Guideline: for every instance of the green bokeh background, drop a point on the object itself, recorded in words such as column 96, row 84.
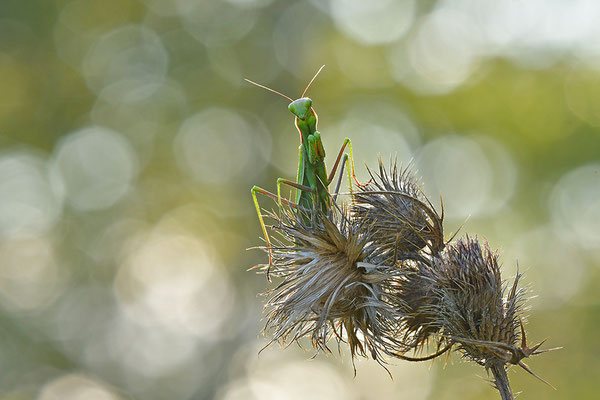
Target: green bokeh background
column 129, row 142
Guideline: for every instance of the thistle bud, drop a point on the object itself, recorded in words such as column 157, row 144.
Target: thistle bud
column 471, row 306
column 478, row 313
column 401, row 218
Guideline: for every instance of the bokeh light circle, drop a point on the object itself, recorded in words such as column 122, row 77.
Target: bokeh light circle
column 96, row 165
column 172, row 280
column 575, row 205
column 475, row 177
column 126, row 64
column 289, row 381
column 217, row 145
column 552, row 266
column 30, row 278
column 216, row 23
column 440, row 56
column 373, row 22
column 76, row 387
column 30, row 204
column 173, row 300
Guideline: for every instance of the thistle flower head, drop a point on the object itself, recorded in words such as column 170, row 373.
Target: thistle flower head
column 329, row 290
column 472, row 308
column 381, row 278
column 476, row 309
column 418, row 301
column 401, row 218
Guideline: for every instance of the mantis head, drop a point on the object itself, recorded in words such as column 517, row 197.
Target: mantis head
column 300, row 107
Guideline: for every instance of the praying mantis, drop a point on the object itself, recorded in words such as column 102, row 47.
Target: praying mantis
column 312, row 182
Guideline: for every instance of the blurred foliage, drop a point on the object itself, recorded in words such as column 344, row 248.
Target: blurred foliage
column 129, row 142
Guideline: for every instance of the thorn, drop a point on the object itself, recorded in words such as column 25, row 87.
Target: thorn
column 537, row 346
column 523, row 337
column 547, row 350
column 526, row 368
column 458, row 230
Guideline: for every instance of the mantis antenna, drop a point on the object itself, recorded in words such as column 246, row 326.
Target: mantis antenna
column 269, row 89
column 311, row 81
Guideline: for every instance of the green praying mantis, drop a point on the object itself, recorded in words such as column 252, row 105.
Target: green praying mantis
column 312, row 183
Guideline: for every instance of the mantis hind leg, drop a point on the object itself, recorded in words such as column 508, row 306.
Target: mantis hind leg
column 340, row 176
column 351, row 172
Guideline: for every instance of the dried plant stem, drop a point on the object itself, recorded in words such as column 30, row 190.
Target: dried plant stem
column 501, row 381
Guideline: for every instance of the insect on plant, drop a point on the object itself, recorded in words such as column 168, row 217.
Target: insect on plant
column 312, row 182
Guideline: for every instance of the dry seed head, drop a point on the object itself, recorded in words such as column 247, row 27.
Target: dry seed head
column 477, row 311
column 417, row 305
column 400, row 217
column 471, row 305
column 329, row 290
column 382, row 279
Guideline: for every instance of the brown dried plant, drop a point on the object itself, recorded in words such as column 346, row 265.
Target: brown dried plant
column 328, row 288
column 476, row 312
column 400, row 216
column 379, row 277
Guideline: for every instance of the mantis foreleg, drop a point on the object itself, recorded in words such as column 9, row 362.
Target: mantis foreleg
column 257, row 189
column 292, row 184
column 300, row 176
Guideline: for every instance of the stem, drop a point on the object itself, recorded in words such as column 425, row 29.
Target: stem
column 501, row 381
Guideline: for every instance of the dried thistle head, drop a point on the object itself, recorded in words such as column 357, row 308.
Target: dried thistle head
column 329, row 290
column 470, row 291
column 401, row 218
column 417, row 305
column 476, row 310
column 382, row 279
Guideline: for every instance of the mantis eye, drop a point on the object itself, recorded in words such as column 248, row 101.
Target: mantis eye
column 300, row 107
